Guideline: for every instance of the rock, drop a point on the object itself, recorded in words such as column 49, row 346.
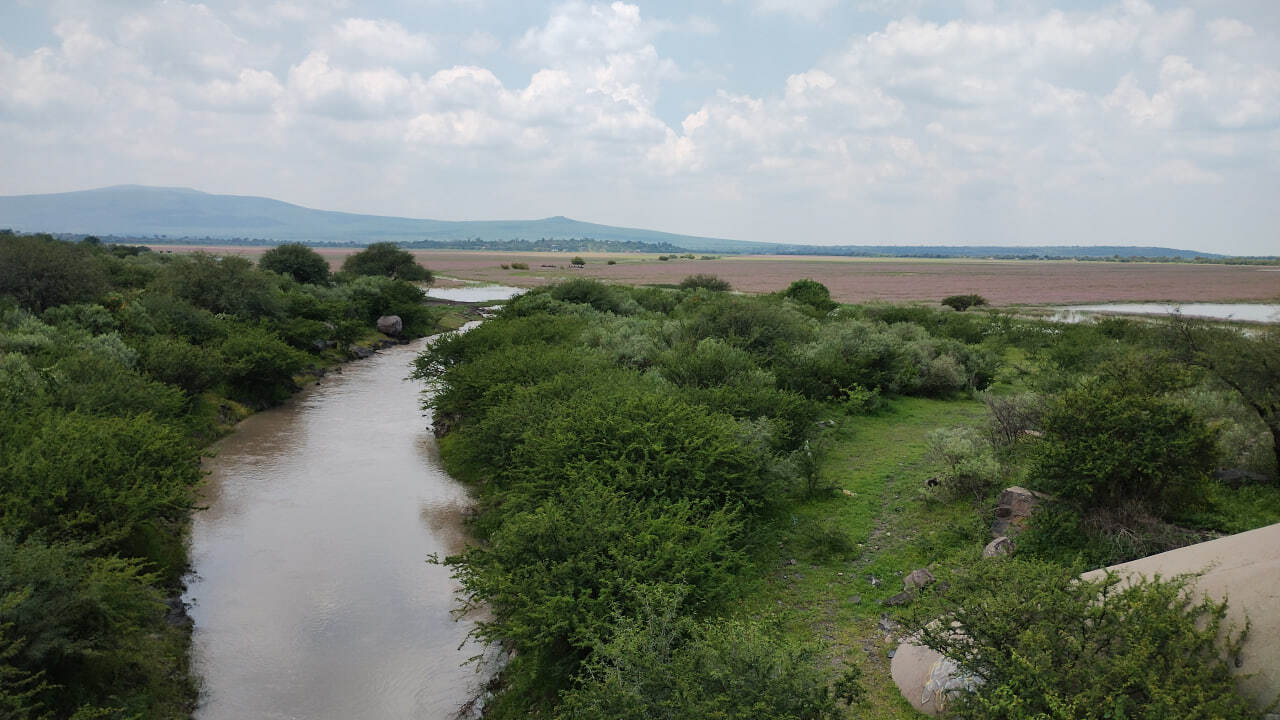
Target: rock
column 875, row 581
column 901, row 598
column 856, row 599
column 792, row 561
column 917, row 579
column 1015, row 506
column 946, row 680
column 360, row 352
column 322, row 345
column 390, row 325
column 999, row 547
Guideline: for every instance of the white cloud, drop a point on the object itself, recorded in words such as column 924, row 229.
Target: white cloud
column 380, row 40
column 1229, row 30
column 577, row 29
column 980, row 126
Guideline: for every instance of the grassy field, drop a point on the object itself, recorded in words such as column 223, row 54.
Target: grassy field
column 1003, row 282
column 877, row 466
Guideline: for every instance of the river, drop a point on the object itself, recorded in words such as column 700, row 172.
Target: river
column 310, row 594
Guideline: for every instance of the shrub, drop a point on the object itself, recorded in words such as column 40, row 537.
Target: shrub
column 230, row 285
column 1009, row 417
column 663, row 258
column 969, row 468
column 387, row 260
column 611, row 262
column 40, row 272
column 758, row 326
column 961, row 303
column 663, row 445
column 664, row 664
column 578, row 261
column 710, row 362
column 88, row 634
column 602, row 297
column 519, row 266
column 1038, row 642
column 297, row 261
column 811, row 293
column 555, row 576
column 260, row 366
column 708, row 282
column 177, row 362
column 1120, row 437
column 107, row 482
column 847, row 354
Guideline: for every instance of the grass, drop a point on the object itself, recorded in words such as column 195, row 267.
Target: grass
column 878, row 521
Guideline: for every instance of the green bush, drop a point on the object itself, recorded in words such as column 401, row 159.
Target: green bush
column 969, row 468
column 260, row 366
column 811, row 293
column 707, row 282
column 297, row 261
column 387, row 260
column 88, row 635
column 663, row 664
column 578, row 261
column 963, row 302
column 602, row 297
column 758, row 326
column 556, row 576
column 177, row 362
column 1120, row 437
column 710, row 362
column 230, row 285
column 112, row 483
column 1038, row 642
column 40, row 272
column 666, row 446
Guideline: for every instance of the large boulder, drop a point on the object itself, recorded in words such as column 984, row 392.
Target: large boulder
column 390, row 325
column 1015, row 506
column 927, row 679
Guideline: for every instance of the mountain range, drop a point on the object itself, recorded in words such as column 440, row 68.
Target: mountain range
column 142, row 212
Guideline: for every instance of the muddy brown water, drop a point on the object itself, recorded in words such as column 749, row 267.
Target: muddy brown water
column 310, row 594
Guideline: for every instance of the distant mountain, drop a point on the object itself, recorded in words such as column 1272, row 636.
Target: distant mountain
column 139, row 211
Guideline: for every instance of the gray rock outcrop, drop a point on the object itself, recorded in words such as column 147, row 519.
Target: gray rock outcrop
column 390, row 325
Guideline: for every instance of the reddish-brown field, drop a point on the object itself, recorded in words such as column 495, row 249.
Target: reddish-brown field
column 1003, row 282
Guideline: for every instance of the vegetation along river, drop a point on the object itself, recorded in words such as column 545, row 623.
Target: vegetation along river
column 311, row 595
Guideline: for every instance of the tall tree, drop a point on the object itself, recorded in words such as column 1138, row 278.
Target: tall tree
column 1247, row 362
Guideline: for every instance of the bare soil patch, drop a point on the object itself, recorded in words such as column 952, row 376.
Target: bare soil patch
column 1003, row 282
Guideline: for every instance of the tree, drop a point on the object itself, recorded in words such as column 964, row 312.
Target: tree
column 296, row 260
column 40, row 272
column 961, row 303
column 1248, row 363
column 227, row 284
column 811, row 293
column 385, row 258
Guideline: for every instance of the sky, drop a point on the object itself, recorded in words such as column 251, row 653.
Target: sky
column 916, row 122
